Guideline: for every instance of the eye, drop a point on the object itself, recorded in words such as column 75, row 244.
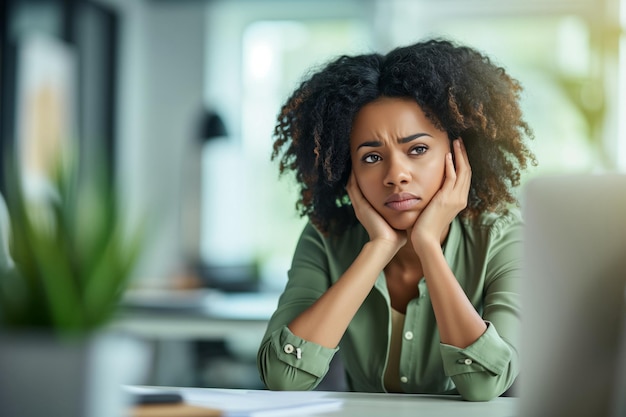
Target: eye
column 419, row 150
column 371, row 158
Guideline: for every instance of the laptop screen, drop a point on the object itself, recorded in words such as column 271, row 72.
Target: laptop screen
column 573, row 294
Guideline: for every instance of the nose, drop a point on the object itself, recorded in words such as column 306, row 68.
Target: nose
column 397, row 173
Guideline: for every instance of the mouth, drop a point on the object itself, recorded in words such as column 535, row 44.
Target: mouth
column 402, row 201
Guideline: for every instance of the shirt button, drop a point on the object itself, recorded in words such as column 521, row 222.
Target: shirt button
column 408, row 335
column 288, row 348
column 404, row 379
column 468, row 361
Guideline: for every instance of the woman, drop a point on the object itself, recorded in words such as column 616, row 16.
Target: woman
column 407, row 165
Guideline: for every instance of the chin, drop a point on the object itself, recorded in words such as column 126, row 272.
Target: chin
column 402, row 221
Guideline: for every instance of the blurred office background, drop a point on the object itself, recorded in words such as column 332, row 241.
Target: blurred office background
column 183, row 95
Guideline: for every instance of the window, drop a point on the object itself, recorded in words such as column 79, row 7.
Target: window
column 249, row 214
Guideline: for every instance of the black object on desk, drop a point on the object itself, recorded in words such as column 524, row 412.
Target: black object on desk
column 140, row 396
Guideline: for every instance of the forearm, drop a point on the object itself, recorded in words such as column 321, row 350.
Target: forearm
column 327, row 319
column 458, row 321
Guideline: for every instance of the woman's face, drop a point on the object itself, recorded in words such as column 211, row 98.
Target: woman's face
column 398, row 158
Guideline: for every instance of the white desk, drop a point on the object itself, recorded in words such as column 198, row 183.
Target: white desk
column 363, row 404
column 401, row 405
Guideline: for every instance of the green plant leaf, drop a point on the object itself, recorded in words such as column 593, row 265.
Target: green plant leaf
column 73, row 257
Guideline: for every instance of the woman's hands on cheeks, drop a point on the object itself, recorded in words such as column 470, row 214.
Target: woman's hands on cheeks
column 432, row 224
column 376, row 226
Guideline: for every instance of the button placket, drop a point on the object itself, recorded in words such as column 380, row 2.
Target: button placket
column 414, row 308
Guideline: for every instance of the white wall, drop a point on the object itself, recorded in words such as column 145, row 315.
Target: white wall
column 160, row 95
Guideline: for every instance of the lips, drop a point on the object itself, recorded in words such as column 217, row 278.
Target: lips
column 402, row 201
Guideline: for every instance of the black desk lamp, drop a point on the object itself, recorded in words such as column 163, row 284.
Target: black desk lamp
column 211, row 127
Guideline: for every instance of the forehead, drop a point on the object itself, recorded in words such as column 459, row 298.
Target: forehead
column 388, row 117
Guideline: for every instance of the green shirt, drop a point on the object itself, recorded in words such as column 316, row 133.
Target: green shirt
column 485, row 256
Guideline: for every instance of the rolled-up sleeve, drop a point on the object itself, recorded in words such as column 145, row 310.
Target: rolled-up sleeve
column 288, row 362
column 284, row 360
column 482, row 370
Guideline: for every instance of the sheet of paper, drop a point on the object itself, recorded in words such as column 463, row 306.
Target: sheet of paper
column 244, row 403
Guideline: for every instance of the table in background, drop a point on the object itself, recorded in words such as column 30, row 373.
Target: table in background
column 177, row 322
column 197, row 314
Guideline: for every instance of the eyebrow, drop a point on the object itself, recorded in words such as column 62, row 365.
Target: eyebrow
column 376, row 144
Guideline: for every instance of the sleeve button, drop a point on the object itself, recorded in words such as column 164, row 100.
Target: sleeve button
column 288, row 348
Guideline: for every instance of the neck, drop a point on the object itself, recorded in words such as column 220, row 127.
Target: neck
column 406, row 256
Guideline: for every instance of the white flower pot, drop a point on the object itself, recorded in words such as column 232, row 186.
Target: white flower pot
column 43, row 375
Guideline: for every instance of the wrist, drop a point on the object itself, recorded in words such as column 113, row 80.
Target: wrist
column 427, row 242
column 385, row 248
column 426, row 247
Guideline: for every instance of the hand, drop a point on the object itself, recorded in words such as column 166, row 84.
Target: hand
column 447, row 203
column 376, row 226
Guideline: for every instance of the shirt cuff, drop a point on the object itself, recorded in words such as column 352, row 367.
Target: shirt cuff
column 490, row 352
column 301, row 354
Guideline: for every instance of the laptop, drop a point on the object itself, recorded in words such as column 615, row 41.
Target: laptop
column 573, row 351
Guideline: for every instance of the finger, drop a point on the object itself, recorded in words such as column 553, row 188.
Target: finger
column 463, row 168
column 460, row 155
column 450, row 179
column 462, row 150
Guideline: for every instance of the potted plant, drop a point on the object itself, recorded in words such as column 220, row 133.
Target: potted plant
column 66, row 258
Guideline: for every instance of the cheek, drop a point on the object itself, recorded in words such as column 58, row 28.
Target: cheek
column 365, row 184
column 436, row 167
column 434, row 175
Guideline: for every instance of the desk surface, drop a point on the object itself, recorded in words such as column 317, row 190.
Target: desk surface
column 377, row 405
column 400, row 405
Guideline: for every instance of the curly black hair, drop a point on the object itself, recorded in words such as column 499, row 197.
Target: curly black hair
column 459, row 89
